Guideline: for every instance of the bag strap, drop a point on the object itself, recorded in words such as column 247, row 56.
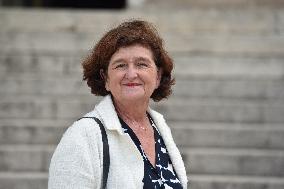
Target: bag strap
column 106, row 159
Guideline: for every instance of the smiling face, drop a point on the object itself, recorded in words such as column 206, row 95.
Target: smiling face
column 132, row 74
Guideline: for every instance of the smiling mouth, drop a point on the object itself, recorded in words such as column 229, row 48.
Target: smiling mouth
column 132, row 84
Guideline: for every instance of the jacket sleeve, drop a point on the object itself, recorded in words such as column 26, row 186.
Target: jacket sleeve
column 76, row 162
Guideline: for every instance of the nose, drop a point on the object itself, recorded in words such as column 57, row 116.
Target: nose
column 131, row 73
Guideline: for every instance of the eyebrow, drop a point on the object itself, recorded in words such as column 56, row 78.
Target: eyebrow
column 140, row 58
column 117, row 61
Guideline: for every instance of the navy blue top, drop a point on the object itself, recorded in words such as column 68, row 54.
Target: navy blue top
column 163, row 175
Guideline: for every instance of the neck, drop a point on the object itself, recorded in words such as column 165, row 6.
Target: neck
column 134, row 111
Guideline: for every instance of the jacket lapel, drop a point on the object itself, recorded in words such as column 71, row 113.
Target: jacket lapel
column 122, row 147
column 171, row 146
column 108, row 115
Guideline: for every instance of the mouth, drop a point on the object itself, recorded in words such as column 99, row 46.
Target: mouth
column 132, row 84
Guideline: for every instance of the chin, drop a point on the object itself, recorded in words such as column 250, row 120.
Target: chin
column 132, row 96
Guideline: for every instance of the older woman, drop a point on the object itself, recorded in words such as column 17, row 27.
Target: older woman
column 128, row 66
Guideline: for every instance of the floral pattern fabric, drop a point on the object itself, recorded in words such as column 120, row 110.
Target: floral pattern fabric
column 163, row 175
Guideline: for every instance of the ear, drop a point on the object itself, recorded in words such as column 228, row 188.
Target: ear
column 159, row 77
column 104, row 77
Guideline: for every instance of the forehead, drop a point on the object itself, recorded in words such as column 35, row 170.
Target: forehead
column 132, row 52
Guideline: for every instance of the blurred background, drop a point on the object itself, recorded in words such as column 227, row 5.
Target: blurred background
column 226, row 111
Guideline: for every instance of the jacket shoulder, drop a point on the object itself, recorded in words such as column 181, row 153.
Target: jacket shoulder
column 78, row 153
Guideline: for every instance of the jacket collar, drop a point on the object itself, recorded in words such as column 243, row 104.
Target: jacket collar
column 106, row 111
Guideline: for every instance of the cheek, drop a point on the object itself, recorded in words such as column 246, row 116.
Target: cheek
column 153, row 80
column 113, row 80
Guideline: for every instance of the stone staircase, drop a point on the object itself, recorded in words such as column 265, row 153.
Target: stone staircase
column 226, row 112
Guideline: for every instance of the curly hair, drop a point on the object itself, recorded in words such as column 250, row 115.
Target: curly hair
column 127, row 34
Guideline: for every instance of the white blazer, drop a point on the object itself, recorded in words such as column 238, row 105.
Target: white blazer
column 77, row 160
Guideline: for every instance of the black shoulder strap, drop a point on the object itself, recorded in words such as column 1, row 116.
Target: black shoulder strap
column 106, row 159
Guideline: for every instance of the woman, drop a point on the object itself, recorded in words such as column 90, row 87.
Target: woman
column 128, row 66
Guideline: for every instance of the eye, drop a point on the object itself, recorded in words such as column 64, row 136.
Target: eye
column 120, row 66
column 142, row 64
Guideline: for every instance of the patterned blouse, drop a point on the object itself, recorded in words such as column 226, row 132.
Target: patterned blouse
column 163, row 175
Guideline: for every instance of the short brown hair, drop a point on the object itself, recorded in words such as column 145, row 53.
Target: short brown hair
column 126, row 34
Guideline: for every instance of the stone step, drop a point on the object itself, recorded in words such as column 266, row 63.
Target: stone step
column 47, row 66
column 211, row 66
column 40, row 65
column 47, row 107
column 47, row 122
column 248, row 88
column 25, row 158
column 198, row 161
column 41, row 123
column 234, row 161
column 192, row 109
column 64, row 42
column 38, row 180
column 226, row 45
column 168, row 4
column 229, row 88
column 32, row 134
column 222, row 110
column 25, row 85
column 35, row 42
column 23, row 180
column 186, row 134
column 181, row 22
column 234, row 182
column 228, row 136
